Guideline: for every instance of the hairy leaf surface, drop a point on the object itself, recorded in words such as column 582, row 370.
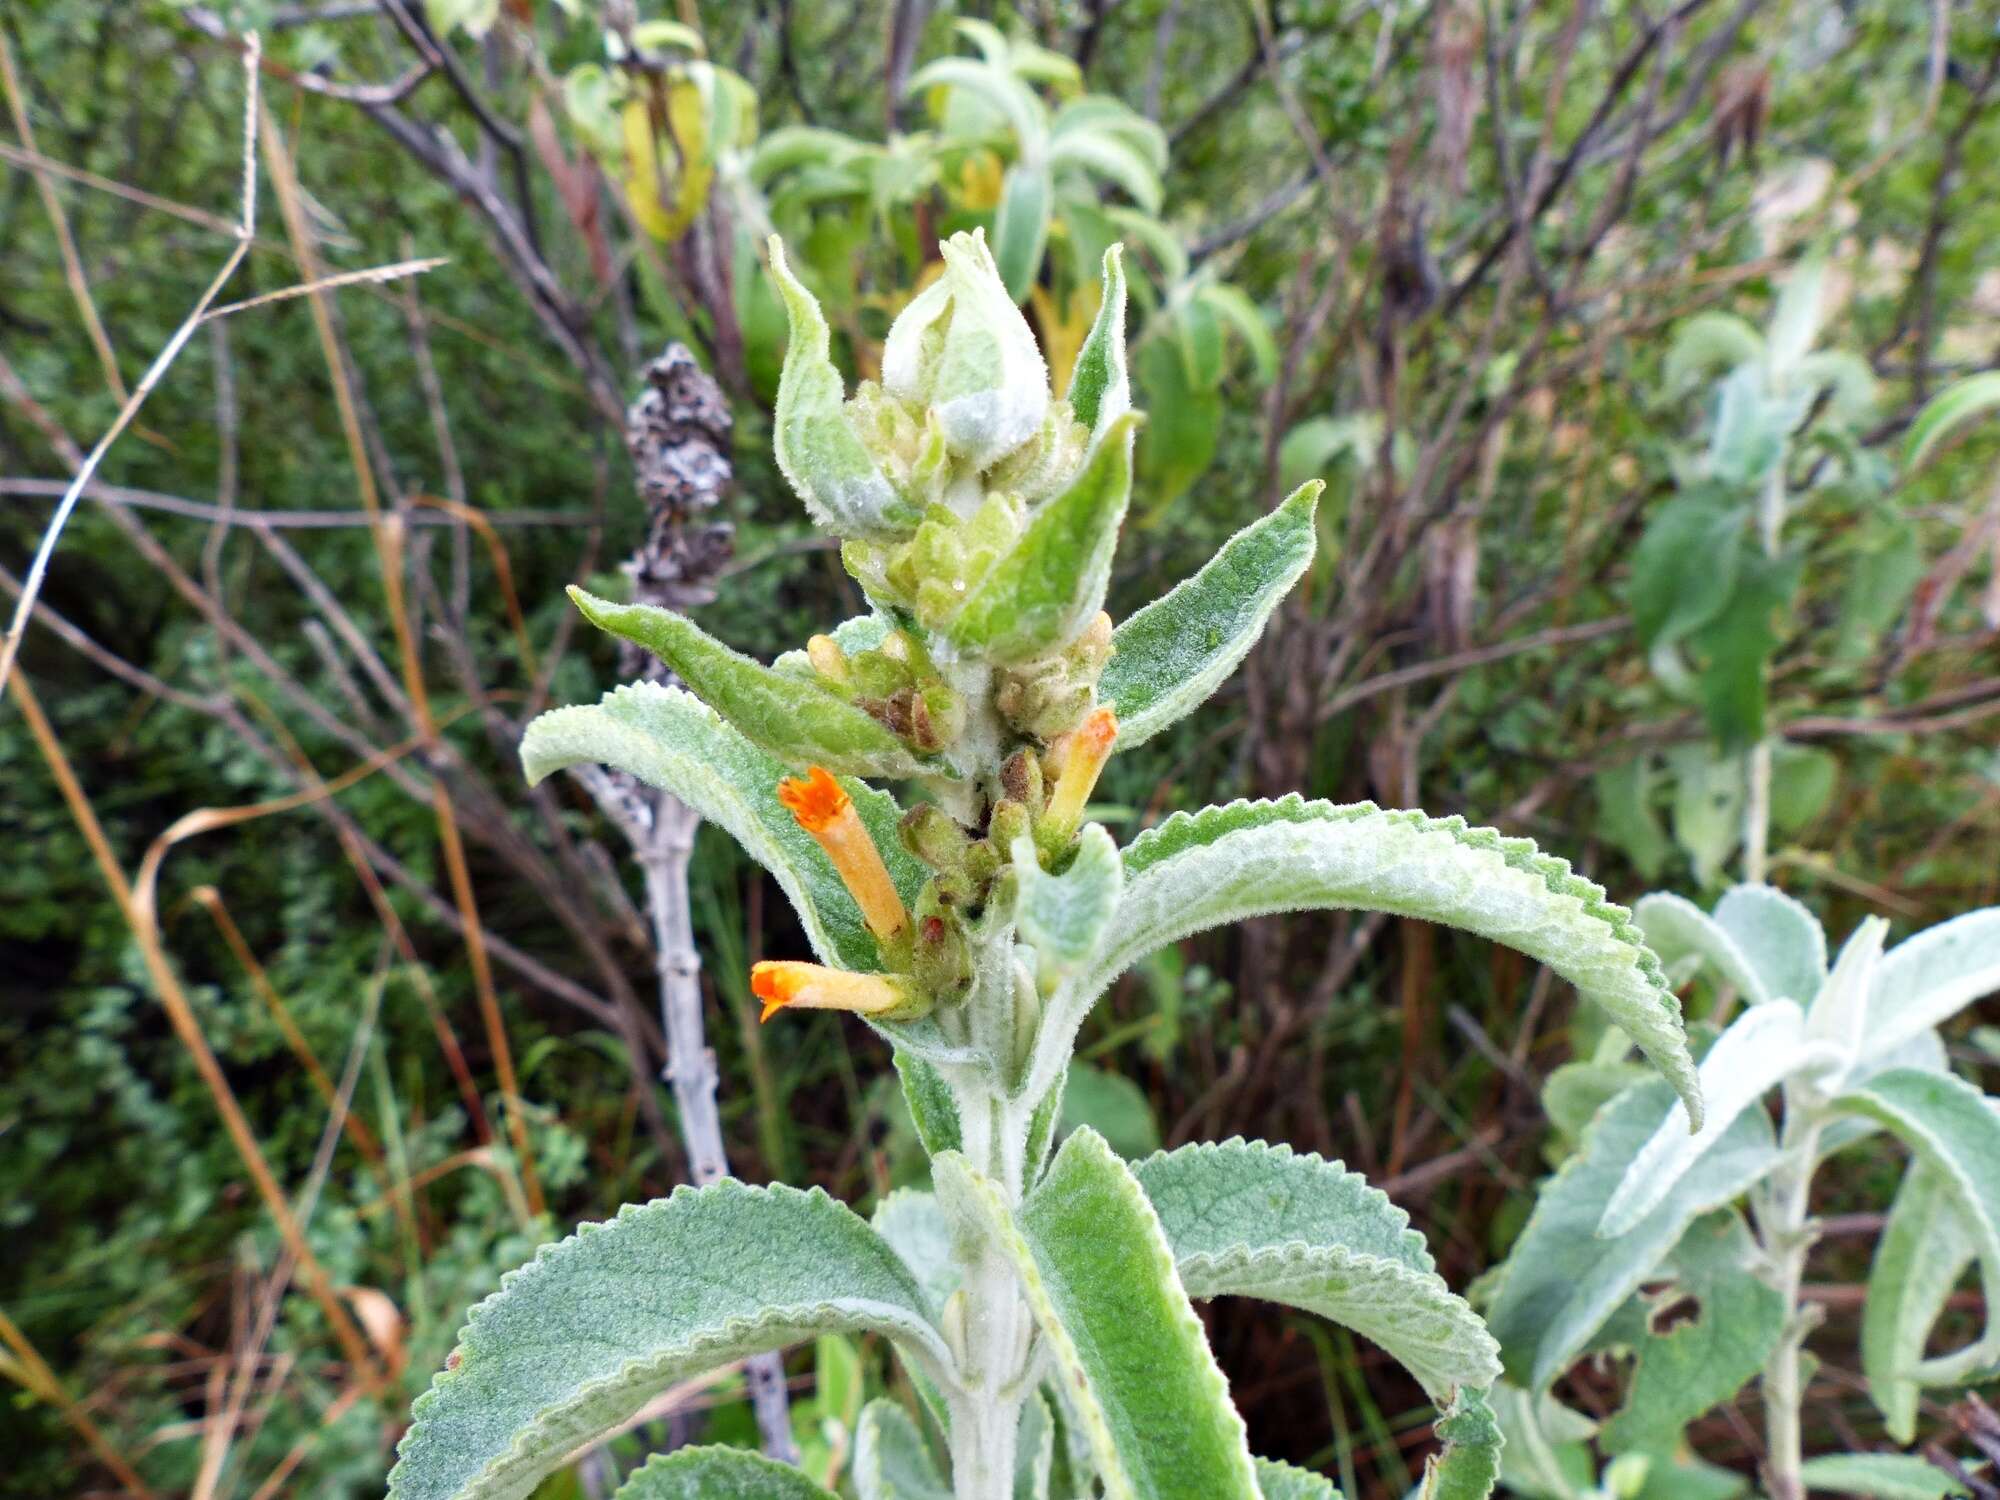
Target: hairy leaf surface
column 585, row 1334
column 801, row 723
column 891, row 1459
column 1131, row 1354
column 1252, row 1220
column 1276, row 1481
column 1924, row 1249
column 718, row 1474
column 1880, row 1476
column 1562, row 1281
column 1682, row 933
column 668, row 739
column 1926, row 980
column 1180, row 648
column 1253, row 858
column 1783, row 941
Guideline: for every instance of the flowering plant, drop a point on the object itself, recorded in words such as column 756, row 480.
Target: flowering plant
column 1040, row 1298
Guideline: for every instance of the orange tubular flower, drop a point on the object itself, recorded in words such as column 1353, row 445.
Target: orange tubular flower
column 1084, row 752
column 827, row 813
column 785, row 984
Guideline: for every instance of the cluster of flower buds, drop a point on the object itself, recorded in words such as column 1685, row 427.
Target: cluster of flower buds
column 979, row 514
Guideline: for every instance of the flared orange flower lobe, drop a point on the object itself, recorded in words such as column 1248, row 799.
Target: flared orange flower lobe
column 1083, row 754
column 785, row 982
column 815, row 799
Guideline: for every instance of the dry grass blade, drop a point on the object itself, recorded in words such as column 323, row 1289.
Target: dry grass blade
column 33, row 1373
column 373, row 276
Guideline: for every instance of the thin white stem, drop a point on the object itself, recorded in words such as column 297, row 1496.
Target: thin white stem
column 1787, row 1235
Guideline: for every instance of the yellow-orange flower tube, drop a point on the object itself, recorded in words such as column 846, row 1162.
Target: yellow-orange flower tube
column 827, row 813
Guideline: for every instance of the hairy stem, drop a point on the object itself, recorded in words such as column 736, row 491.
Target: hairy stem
column 997, row 1326
column 690, row 1070
column 1787, row 1236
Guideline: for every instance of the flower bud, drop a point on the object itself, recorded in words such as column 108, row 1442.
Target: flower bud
column 963, row 349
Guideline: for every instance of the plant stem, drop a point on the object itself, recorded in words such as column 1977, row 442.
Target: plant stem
column 1788, row 1236
column 1757, row 797
column 986, row 1407
column 663, row 855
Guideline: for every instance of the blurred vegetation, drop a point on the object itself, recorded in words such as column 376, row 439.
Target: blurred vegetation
column 1455, row 256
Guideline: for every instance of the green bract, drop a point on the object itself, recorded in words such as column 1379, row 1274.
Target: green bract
column 1044, row 1300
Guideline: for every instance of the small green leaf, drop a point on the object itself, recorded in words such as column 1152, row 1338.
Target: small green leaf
column 1782, row 940
column 1561, row 1282
column 1039, row 597
column 1112, row 1105
column 1250, row 1220
column 1171, row 655
column 1802, row 783
column 1099, row 1276
column 1469, row 1466
column 1684, row 568
column 1925, row 1247
column 668, row 739
column 1707, row 343
column 1063, row 917
column 1738, row 643
column 820, row 454
column 801, row 723
column 891, row 1459
column 1177, row 450
column 1703, row 1361
column 1546, row 1455
column 1021, row 226
column 1954, row 1128
column 718, row 1474
column 1880, row 1476
column 933, row 1109
column 1253, row 858
column 1951, row 408
column 1625, row 814
column 1234, row 307
column 1276, row 1481
column 1105, row 155
column 585, row 1334
column 1100, row 388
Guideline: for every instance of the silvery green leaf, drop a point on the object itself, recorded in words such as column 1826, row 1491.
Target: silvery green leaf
column 1250, row 1220
column 1253, row 858
column 596, row 1325
column 1099, row 1277
column 1561, row 1282
column 1545, row 1457
column 1276, row 1481
column 962, row 348
column 1704, row 1360
column 916, row 1228
column 1469, row 1465
column 1847, row 380
column 1063, row 917
column 799, row 722
column 668, row 739
column 995, row 86
column 1104, row 155
column 1926, row 980
column 1706, row 343
column 1034, row 1449
column 1021, row 226
column 1752, row 426
column 1171, row 655
column 1795, row 322
column 1879, row 1476
column 1764, row 1046
column 718, row 1474
column 1100, row 386
column 1954, row 1128
column 1839, row 1014
column 1783, row 941
column 933, row 1107
column 1574, row 1093
column 1925, row 1247
column 891, row 1459
column 1951, row 408
column 820, row 454
column 1039, row 597
column 1676, row 929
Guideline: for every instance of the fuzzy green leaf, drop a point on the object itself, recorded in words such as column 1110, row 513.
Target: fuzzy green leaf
column 1879, row 1476
column 1251, row 1220
column 1276, row 1481
column 1034, row 1449
column 1176, row 651
column 585, row 1334
column 1038, row 597
column 1131, row 1354
column 667, row 739
column 1562, row 1282
column 891, row 1459
column 1924, row 1249
column 1763, row 1046
column 1951, row 408
column 1021, row 226
column 1704, row 1361
column 1063, row 917
column 1100, row 386
column 933, row 1109
column 799, row 722
column 1783, row 941
column 1925, row 980
column 1469, row 1466
column 916, row 1228
column 718, row 1474
column 1685, row 566
column 1249, row 859
column 1955, row 1129
column 820, row 454
column 1682, row 934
